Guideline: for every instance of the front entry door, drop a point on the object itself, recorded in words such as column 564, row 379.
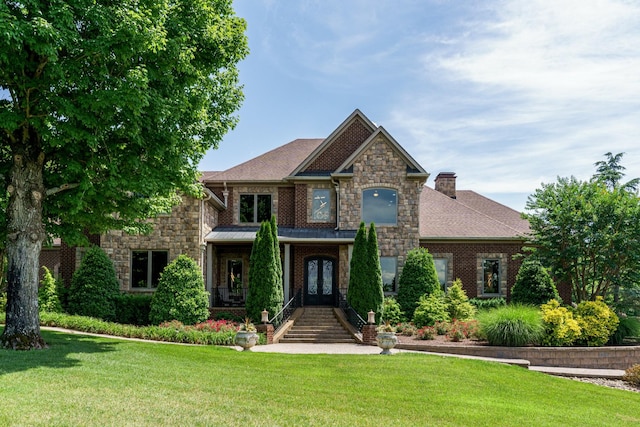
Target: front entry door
column 319, row 281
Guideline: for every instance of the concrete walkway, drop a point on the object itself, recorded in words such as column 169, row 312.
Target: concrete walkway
column 370, row 349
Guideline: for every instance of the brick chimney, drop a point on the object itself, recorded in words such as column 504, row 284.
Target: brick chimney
column 446, row 184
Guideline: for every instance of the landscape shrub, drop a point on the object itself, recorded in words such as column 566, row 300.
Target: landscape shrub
column 533, row 284
column 457, row 302
column 426, row 333
column 133, row 309
column 487, row 303
column 561, row 329
column 48, row 293
column 94, row 287
column 442, row 327
column 406, row 328
column 461, row 329
column 225, row 315
column 391, row 311
column 180, row 294
column 597, row 322
column 632, row 375
column 418, row 278
column 513, row 325
column 628, row 327
column 431, row 309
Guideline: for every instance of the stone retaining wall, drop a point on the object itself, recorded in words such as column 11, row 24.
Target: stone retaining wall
column 619, row 357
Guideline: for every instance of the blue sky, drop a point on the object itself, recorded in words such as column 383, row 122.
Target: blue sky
column 506, row 94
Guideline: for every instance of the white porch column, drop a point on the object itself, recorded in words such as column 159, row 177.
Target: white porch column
column 286, row 270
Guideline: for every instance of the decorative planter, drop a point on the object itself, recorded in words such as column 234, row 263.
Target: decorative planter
column 246, row 339
column 386, row 341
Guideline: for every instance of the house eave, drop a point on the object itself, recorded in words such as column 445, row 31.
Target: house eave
column 458, row 239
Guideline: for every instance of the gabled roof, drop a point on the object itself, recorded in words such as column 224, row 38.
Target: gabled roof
column 468, row 216
column 353, row 117
column 274, row 165
column 412, row 166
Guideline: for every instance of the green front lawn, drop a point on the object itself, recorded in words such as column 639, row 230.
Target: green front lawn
column 96, row 381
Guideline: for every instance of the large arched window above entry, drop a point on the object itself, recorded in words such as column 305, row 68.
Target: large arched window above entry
column 380, row 206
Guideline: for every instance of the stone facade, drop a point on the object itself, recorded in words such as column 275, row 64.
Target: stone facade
column 182, row 232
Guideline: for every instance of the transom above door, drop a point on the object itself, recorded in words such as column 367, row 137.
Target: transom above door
column 319, row 281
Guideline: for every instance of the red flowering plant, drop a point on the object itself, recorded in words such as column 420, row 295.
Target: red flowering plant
column 222, row 325
column 460, row 330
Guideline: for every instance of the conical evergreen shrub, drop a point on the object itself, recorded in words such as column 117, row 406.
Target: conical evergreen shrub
column 265, row 278
column 533, row 284
column 94, row 287
column 418, row 278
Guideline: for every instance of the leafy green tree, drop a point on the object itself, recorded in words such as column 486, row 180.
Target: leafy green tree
column 106, row 109
column 533, row 284
column 94, row 287
column 358, row 274
column 587, row 233
column 48, row 299
column 265, row 282
column 180, row 294
column 418, row 278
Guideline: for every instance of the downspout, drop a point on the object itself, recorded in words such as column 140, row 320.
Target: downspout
column 336, row 184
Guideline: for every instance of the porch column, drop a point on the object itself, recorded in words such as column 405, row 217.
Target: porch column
column 287, row 271
column 209, row 269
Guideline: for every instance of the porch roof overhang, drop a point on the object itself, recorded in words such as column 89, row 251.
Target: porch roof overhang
column 285, row 235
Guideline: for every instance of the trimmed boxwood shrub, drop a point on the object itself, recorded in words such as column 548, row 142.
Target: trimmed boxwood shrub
column 513, row 325
column 181, row 294
column 133, row 309
column 94, row 287
column 533, row 284
column 419, row 277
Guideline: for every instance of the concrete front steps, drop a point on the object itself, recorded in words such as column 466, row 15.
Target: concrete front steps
column 317, row 325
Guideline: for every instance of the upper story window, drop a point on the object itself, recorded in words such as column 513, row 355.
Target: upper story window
column 255, row 208
column 380, row 206
column 321, row 205
column 146, row 267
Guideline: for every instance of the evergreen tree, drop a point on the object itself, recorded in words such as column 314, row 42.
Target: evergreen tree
column 265, row 280
column 358, row 274
column 374, row 295
column 48, row 299
column 181, row 294
column 278, row 262
column 418, row 278
column 457, row 301
column 94, row 287
column 533, row 284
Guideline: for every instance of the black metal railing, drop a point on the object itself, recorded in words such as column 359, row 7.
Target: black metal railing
column 225, row 297
column 352, row 316
column 286, row 311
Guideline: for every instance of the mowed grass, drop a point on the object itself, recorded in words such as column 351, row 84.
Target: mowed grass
column 83, row 380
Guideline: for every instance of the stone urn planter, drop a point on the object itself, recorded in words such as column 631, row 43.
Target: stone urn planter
column 246, row 337
column 386, row 338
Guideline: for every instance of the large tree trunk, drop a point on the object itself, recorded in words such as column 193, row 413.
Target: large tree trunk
column 25, row 234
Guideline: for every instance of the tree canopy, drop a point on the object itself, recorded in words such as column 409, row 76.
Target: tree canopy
column 106, row 109
column 588, row 232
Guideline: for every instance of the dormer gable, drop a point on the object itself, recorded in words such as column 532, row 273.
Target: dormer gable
column 337, row 147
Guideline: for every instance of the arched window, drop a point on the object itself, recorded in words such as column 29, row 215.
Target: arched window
column 380, row 206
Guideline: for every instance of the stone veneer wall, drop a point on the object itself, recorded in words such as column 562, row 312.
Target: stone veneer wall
column 178, row 233
column 381, row 166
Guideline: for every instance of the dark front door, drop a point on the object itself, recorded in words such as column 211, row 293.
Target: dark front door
column 319, row 281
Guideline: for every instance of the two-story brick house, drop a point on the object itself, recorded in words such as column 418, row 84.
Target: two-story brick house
column 320, row 190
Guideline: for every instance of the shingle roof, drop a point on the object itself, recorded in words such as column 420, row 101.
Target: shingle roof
column 468, row 216
column 271, row 166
